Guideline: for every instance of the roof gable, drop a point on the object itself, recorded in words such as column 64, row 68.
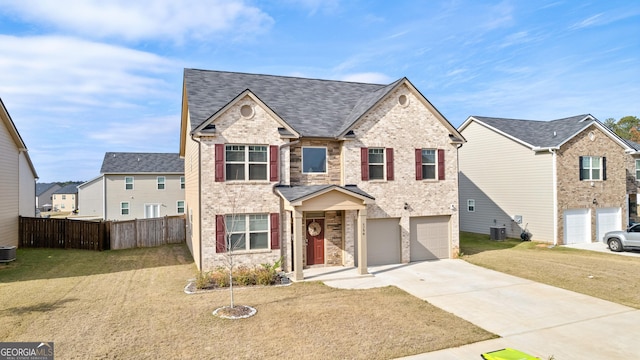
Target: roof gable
column 133, row 163
column 15, row 135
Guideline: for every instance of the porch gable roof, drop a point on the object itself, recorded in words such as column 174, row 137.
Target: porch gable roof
column 298, row 194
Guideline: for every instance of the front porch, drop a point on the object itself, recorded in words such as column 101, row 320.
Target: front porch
column 328, row 223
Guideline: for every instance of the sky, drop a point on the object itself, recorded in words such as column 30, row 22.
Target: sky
column 84, row 77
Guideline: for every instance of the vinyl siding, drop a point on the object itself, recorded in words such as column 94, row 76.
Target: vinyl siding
column 192, row 199
column 144, row 192
column 9, row 180
column 90, row 199
column 27, row 188
column 505, row 179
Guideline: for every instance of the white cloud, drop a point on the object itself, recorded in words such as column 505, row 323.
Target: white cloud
column 368, row 77
column 591, row 21
column 72, row 73
column 143, row 19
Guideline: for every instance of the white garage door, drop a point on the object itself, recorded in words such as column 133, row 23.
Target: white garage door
column 577, row 226
column 429, row 238
column 383, row 241
column 608, row 219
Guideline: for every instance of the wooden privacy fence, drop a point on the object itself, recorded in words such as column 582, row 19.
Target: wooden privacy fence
column 63, row 233
column 147, row 232
column 101, row 235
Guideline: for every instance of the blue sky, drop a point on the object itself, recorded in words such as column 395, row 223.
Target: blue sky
column 84, row 78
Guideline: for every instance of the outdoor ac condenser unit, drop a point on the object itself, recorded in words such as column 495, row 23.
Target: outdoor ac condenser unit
column 7, row 253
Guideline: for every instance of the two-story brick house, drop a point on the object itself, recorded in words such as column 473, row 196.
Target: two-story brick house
column 565, row 179
column 317, row 172
column 134, row 186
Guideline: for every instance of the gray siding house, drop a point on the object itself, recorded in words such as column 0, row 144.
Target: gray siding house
column 134, row 186
column 316, row 172
column 44, row 195
column 565, row 180
column 17, row 180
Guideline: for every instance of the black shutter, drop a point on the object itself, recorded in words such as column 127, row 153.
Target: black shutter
column 604, row 168
column 580, row 167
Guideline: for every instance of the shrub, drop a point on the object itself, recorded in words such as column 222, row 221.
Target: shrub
column 265, row 274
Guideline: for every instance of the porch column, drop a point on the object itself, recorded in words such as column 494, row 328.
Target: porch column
column 362, row 242
column 298, row 235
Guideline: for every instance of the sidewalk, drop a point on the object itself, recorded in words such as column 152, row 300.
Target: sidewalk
column 535, row 318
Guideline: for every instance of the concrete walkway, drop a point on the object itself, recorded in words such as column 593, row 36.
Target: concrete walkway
column 538, row 319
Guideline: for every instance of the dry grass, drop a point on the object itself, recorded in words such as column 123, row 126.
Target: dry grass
column 131, row 305
column 606, row 276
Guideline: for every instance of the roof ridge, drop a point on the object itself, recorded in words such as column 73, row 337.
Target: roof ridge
column 284, row 76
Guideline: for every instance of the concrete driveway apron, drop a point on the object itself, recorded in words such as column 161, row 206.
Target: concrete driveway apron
column 535, row 318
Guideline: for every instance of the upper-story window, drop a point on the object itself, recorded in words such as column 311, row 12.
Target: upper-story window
column 593, row 168
column 430, row 164
column 161, row 182
column 377, row 163
column 637, row 169
column 181, row 182
column 246, row 162
column 128, row 182
column 64, row 197
column 314, row 159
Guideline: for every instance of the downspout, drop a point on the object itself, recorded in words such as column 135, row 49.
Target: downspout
column 199, row 198
column 554, row 174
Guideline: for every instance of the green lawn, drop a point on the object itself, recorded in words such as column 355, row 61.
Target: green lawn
column 130, row 304
column 607, row 276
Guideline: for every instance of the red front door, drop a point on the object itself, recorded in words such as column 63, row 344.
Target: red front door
column 315, row 241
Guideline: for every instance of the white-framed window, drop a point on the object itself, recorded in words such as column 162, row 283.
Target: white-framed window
column 376, row 163
column 591, row 167
column 64, row 197
column 637, row 169
column 181, row 182
column 128, row 182
column 471, row 205
column 124, row 208
column 429, row 163
column 248, row 231
column 180, row 207
column 246, row 162
column 161, row 182
column 314, row 160
column 62, row 206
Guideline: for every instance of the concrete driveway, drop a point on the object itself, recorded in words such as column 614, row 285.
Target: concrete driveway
column 538, row 319
column 602, row 247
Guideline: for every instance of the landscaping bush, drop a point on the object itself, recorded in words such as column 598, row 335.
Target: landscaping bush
column 265, row 275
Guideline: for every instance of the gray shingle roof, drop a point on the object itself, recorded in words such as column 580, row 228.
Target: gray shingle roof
column 313, row 107
column 293, row 193
column 540, row 133
column 43, row 187
column 68, row 189
column 132, row 163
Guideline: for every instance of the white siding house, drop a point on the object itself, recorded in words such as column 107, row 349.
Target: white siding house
column 17, row 180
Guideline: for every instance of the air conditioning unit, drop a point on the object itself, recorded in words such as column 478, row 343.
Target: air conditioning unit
column 497, row 233
column 7, row 253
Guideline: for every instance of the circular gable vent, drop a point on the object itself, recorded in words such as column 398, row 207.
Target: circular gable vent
column 246, row 111
column 403, row 100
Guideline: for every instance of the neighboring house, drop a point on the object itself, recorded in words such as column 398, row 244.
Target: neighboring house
column 564, row 180
column 66, row 198
column 316, row 172
column 17, row 180
column 44, row 195
column 134, row 186
column 633, row 181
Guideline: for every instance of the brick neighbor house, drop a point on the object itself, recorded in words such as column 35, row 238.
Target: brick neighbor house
column 565, row 179
column 316, row 172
